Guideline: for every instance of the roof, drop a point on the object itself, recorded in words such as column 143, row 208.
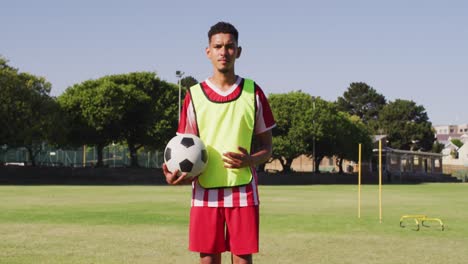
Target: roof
column 420, row 153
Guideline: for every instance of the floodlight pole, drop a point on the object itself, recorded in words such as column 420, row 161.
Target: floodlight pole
column 313, row 146
column 380, row 180
column 179, row 75
column 359, row 181
column 84, row 156
column 113, row 154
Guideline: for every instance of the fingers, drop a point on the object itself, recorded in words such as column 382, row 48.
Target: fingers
column 180, row 179
column 232, row 159
column 243, row 150
column 173, row 178
column 187, row 180
column 234, row 155
column 237, row 160
column 232, row 163
column 165, row 170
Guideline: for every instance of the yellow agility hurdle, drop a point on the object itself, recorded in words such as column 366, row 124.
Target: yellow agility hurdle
column 420, row 219
column 432, row 219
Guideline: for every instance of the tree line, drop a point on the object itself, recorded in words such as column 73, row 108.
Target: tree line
column 140, row 110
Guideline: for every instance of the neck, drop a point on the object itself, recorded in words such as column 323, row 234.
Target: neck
column 223, row 81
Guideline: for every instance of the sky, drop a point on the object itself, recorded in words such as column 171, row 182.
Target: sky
column 413, row 50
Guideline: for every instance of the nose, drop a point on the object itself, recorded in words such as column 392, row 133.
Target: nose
column 223, row 50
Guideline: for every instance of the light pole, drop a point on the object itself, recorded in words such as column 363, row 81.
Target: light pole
column 414, row 144
column 179, row 75
column 313, row 146
column 113, row 154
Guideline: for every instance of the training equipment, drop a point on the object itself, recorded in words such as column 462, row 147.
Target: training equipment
column 187, row 153
column 422, row 219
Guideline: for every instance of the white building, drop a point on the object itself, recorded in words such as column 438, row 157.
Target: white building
column 463, row 155
column 453, row 155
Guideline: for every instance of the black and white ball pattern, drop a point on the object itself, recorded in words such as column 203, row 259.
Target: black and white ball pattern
column 187, row 153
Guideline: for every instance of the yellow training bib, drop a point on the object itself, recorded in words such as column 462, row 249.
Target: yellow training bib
column 224, row 126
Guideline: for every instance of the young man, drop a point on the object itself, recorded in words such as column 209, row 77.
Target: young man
column 231, row 115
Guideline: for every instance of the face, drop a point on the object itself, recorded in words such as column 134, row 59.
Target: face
column 223, row 52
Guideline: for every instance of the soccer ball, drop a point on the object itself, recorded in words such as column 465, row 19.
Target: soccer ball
column 187, row 153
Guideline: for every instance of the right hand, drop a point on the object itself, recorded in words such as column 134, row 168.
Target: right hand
column 172, row 178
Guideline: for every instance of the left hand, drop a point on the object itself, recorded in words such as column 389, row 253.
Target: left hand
column 234, row 160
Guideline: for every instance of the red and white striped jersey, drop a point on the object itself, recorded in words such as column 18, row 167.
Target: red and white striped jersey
column 233, row 196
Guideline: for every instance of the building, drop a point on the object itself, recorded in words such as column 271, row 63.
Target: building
column 445, row 133
column 455, row 158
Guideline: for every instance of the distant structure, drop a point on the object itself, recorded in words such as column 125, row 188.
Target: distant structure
column 445, row 133
column 455, row 158
column 405, row 165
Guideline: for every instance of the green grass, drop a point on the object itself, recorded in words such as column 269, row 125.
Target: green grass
column 299, row 224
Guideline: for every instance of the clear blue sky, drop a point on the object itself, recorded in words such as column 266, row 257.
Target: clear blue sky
column 415, row 50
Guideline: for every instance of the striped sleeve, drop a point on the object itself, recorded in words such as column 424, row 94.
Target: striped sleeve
column 265, row 120
column 187, row 122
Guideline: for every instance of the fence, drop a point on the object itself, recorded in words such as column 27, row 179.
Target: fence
column 113, row 156
column 459, row 171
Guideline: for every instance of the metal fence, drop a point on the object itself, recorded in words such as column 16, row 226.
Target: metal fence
column 113, row 156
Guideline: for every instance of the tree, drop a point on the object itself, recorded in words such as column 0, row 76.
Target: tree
column 407, row 126
column 457, row 142
column 151, row 119
column 305, row 125
column 28, row 114
column 10, row 102
column 289, row 110
column 352, row 132
column 317, row 127
column 188, row 82
column 323, row 125
column 94, row 111
column 363, row 101
column 310, row 125
column 437, row 147
column 329, row 132
column 136, row 107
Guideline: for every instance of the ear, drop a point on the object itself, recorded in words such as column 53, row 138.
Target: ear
column 239, row 51
column 207, row 51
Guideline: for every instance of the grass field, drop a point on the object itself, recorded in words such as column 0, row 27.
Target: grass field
column 299, row 224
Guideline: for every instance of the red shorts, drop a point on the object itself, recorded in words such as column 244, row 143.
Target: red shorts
column 215, row 230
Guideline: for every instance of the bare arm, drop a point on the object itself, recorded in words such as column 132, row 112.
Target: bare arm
column 244, row 159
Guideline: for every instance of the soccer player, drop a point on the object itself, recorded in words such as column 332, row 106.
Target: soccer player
column 232, row 116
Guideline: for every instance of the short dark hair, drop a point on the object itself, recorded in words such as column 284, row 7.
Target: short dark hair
column 223, row 27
